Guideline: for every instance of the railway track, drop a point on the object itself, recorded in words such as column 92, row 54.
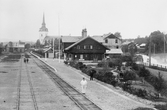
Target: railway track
column 25, row 92
column 79, row 99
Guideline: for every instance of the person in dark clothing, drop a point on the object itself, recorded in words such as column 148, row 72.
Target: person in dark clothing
column 92, row 72
column 27, row 60
column 24, row 60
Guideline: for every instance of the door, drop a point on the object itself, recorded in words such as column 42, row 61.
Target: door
column 81, row 56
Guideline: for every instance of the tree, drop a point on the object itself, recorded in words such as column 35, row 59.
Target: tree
column 157, row 38
column 118, row 34
column 132, row 49
column 157, row 42
column 1, row 47
column 140, row 40
column 38, row 44
column 125, row 48
column 27, row 46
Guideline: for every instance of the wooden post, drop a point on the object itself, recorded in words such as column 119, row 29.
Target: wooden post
column 150, row 50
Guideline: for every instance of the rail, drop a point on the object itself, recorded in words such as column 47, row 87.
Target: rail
column 78, row 98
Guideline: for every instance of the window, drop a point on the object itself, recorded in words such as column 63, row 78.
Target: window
column 116, row 40
column 106, row 41
column 91, row 46
column 78, row 47
column 84, row 46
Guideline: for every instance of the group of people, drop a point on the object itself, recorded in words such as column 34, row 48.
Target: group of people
column 26, row 60
column 84, row 82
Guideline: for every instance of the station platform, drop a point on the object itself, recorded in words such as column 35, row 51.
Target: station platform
column 104, row 95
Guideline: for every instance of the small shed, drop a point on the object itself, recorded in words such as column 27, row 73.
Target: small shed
column 113, row 52
column 49, row 53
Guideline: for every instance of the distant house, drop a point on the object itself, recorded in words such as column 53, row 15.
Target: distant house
column 143, row 45
column 49, row 52
column 127, row 45
column 15, row 47
column 141, row 48
column 113, row 53
column 112, row 42
column 86, row 48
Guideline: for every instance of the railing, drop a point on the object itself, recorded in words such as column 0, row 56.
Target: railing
column 157, row 66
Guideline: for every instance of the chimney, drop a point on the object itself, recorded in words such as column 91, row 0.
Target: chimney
column 84, row 32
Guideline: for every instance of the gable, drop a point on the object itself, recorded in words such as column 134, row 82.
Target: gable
column 112, row 36
column 88, row 41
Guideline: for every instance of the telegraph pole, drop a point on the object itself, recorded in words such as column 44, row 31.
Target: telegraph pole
column 59, row 35
column 164, row 46
column 150, row 50
column 53, row 49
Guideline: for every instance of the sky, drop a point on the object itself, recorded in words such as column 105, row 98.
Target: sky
column 21, row 19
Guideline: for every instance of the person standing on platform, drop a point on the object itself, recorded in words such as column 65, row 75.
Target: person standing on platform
column 27, row 60
column 83, row 85
column 24, row 60
column 92, row 72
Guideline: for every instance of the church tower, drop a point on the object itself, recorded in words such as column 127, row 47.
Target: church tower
column 43, row 31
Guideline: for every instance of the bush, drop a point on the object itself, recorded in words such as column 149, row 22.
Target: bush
column 101, row 64
column 157, row 82
column 141, row 108
column 66, row 62
column 98, row 76
column 126, row 86
column 160, row 83
column 135, row 66
column 110, row 62
column 143, row 72
column 115, row 62
column 161, row 107
column 127, row 59
column 129, row 75
column 86, row 69
column 108, row 77
column 79, row 65
column 141, row 93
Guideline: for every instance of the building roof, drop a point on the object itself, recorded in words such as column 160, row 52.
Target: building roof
column 143, row 44
column 51, row 37
column 71, row 38
column 21, row 42
column 110, row 35
column 98, row 38
column 114, row 51
column 126, row 42
column 47, row 49
column 83, row 38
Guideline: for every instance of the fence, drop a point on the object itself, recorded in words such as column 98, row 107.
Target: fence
column 157, row 66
